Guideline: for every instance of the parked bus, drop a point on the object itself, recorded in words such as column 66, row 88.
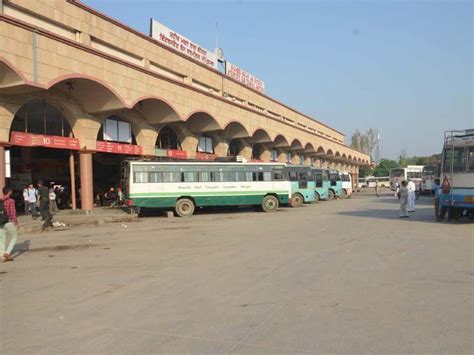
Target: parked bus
column 428, row 176
column 183, row 186
column 457, row 169
column 302, row 184
column 335, row 184
column 346, row 181
column 321, row 180
column 361, row 183
column 411, row 172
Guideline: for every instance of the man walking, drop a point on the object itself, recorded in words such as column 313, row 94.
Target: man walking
column 411, row 196
column 377, row 188
column 403, row 193
column 43, row 193
column 8, row 224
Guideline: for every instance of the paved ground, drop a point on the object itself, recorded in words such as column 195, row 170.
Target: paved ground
column 336, row 277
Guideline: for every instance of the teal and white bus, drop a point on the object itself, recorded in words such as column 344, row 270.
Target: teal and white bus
column 183, row 186
column 335, row 185
column 302, row 185
column 321, row 181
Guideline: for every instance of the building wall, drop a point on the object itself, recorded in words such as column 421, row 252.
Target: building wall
column 92, row 67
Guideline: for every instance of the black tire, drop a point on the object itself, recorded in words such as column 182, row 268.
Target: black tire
column 344, row 194
column 317, row 198
column 297, row 200
column 270, row 203
column 331, row 195
column 184, row 207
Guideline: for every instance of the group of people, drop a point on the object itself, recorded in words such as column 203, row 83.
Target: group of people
column 42, row 198
column 407, row 195
column 111, row 198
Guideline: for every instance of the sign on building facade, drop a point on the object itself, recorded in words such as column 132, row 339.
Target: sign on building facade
column 182, row 44
column 244, row 77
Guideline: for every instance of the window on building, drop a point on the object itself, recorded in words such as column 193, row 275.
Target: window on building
column 235, row 147
column 301, row 159
column 274, row 155
column 205, row 145
column 168, row 139
column 116, row 130
column 289, row 156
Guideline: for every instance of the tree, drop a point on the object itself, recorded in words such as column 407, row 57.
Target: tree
column 365, row 142
column 402, row 158
column 384, row 166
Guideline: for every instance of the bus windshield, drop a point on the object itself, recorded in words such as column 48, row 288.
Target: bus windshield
column 346, row 177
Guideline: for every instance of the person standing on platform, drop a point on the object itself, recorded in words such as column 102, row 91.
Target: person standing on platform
column 8, row 224
column 403, row 195
column 436, row 188
column 53, row 207
column 43, row 194
column 25, row 199
column 32, row 200
column 411, row 196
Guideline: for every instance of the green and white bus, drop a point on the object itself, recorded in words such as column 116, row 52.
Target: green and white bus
column 184, row 186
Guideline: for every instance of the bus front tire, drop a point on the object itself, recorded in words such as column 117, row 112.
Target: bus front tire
column 331, row 195
column 297, row 200
column 270, row 203
column 184, row 207
column 344, row 194
column 317, row 198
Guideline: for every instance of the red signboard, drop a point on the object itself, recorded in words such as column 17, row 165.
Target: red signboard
column 205, row 156
column 41, row 140
column 177, row 154
column 118, row 148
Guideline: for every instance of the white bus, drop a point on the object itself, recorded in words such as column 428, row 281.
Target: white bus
column 428, row 176
column 411, row 172
column 183, row 186
column 346, row 179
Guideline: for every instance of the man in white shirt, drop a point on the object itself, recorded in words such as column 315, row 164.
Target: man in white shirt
column 32, row 199
column 411, row 196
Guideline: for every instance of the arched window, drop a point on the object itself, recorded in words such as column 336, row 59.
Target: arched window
column 256, row 152
column 168, row 139
column 289, row 156
column 40, row 117
column 274, row 155
column 235, row 147
column 115, row 129
column 301, row 159
column 205, row 144
column 312, row 161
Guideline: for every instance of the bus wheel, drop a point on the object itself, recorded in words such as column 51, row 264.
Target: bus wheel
column 296, row 200
column 331, row 195
column 317, row 198
column 270, row 203
column 343, row 194
column 184, row 207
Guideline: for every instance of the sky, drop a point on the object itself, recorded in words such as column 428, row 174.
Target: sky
column 402, row 67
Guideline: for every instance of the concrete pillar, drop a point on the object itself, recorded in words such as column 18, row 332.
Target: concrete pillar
column 2, row 169
column 73, row 180
column 87, row 183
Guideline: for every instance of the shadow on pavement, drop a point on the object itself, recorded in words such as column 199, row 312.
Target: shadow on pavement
column 21, row 248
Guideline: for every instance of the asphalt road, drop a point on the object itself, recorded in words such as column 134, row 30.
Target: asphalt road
column 346, row 276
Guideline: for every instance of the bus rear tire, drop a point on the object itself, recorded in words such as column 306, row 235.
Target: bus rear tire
column 330, row 195
column 297, row 200
column 270, row 203
column 184, row 207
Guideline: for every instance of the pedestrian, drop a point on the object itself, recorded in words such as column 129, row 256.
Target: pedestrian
column 111, row 197
column 25, row 199
column 32, row 200
column 52, row 200
column 43, row 194
column 397, row 189
column 436, row 198
column 8, row 224
column 120, row 196
column 377, row 188
column 411, row 196
column 403, row 195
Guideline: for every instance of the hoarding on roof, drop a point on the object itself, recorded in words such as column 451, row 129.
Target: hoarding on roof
column 244, row 77
column 180, row 43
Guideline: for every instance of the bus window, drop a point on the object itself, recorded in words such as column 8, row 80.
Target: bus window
column 277, row 175
column 205, row 176
column 248, row 176
column 155, row 177
column 140, row 176
column 456, row 157
column 293, row 175
column 470, row 159
column 319, row 180
column 189, row 176
column 303, row 180
column 267, row 176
